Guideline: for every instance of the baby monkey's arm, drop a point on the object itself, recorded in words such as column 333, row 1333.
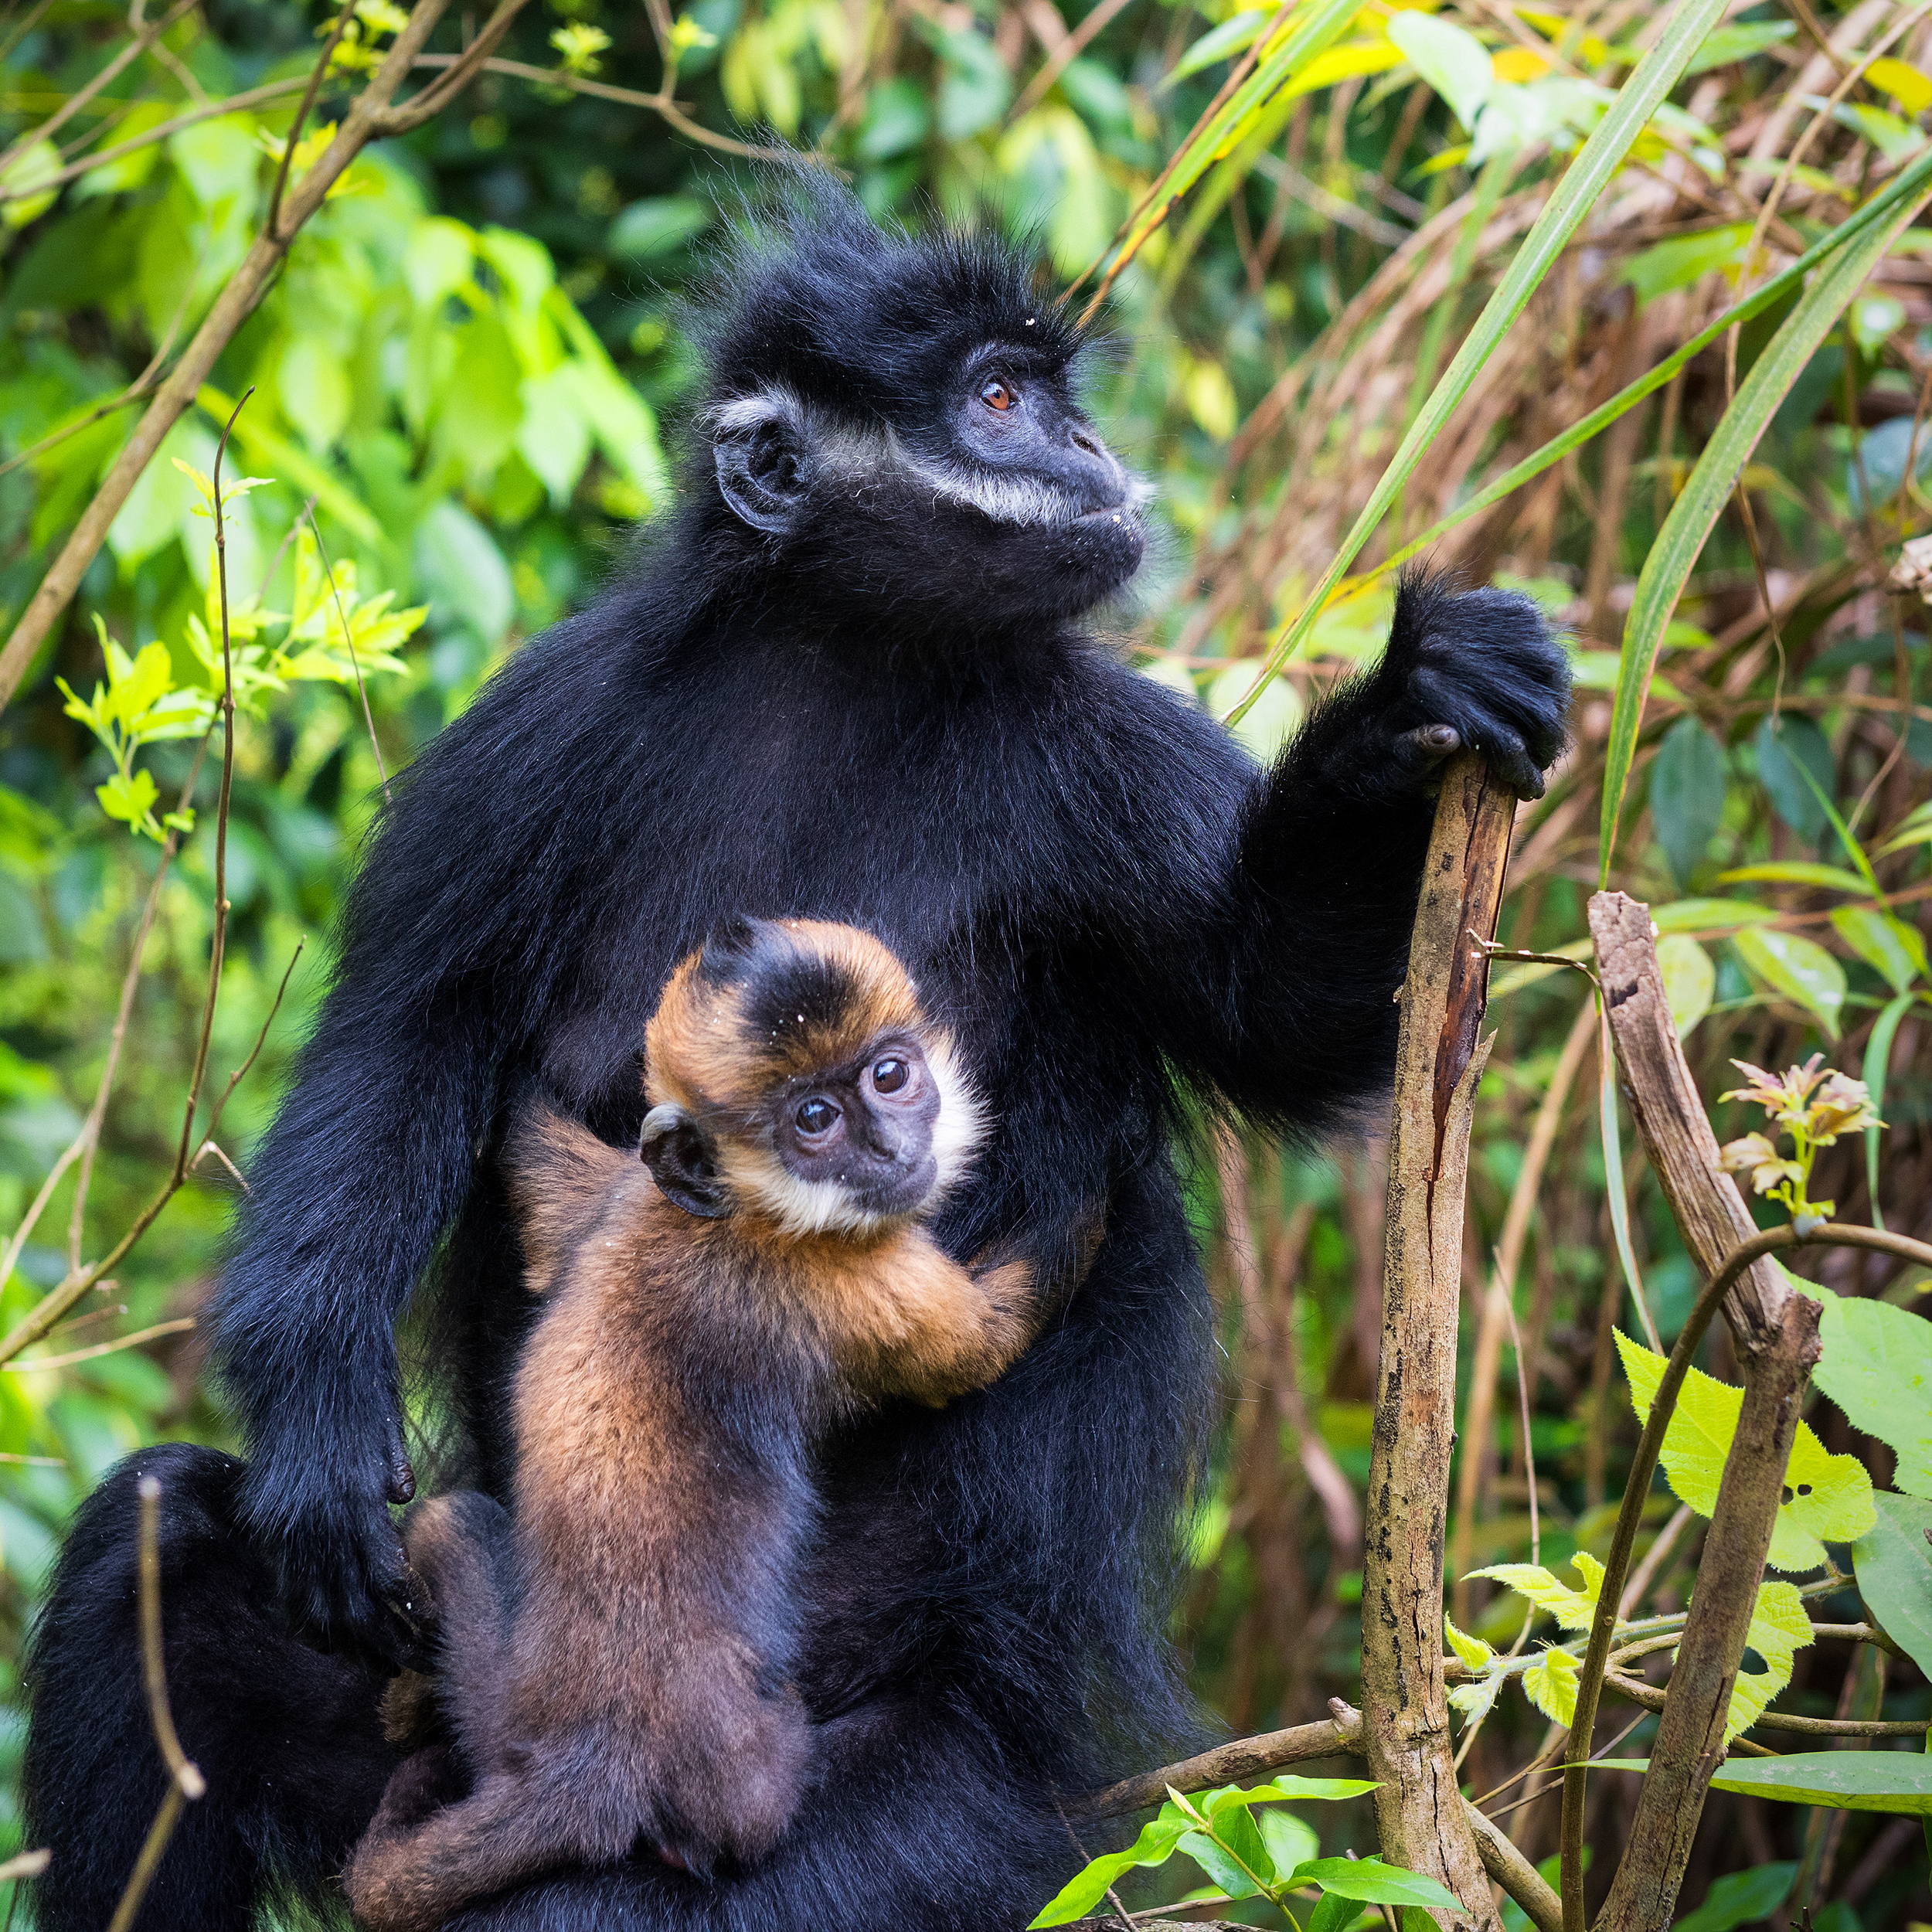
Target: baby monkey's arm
column 968, row 1326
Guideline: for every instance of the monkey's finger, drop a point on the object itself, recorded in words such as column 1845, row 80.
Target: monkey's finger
column 1419, row 751
column 1480, row 728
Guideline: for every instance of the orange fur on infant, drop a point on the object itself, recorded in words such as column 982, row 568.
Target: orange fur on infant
column 615, row 1650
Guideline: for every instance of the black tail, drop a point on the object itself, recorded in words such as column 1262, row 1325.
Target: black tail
column 289, row 1740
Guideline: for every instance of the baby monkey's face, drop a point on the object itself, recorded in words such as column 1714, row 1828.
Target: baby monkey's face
column 865, row 1127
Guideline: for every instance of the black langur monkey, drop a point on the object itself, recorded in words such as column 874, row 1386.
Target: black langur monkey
column 848, row 680
column 636, row 1612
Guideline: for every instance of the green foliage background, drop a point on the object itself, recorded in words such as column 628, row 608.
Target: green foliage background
column 474, row 368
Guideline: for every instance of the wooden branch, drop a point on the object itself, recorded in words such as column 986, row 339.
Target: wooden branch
column 1690, row 1739
column 1708, row 1210
column 1514, row 1873
column 1405, row 1709
column 365, row 120
column 1635, row 1691
column 1233, row 1763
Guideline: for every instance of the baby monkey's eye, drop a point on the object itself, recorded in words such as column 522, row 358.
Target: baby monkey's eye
column 816, row 1116
column 890, row 1074
column 996, row 396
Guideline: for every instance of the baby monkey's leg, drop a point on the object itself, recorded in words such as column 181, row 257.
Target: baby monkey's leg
column 409, row 1874
column 461, row 1546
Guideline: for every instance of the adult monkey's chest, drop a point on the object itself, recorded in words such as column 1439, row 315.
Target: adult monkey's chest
column 964, row 826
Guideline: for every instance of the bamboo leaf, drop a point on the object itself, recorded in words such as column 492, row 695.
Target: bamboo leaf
column 1878, row 1057
column 1661, row 582
column 1583, row 181
column 1796, row 872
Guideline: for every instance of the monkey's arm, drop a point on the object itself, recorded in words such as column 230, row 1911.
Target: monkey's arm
column 966, row 1326
column 1301, row 944
column 450, row 943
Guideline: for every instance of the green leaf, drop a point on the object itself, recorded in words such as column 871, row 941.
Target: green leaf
column 1686, row 793
column 1878, row 1059
column 1796, row 872
column 1740, row 43
column 1583, row 182
column 1709, row 915
column 1668, row 567
column 1690, row 979
column 1790, row 750
column 1843, row 1781
column 1685, row 259
column 1154, row 1846
column 1375, row 1883
column 1892, row 948
column 1797, row 969
column 131, row 800
column 1230, row 37
column 1827, row 1496
column 1450, row 58
column 1286, row 1785
column 1894, row 1565
column 659, row 226
column 1290, row 1841
column 1876, row 1366
column 1333, row 1913
column 1741, row 1898
column 1550, row 1684
column 1221, row 1864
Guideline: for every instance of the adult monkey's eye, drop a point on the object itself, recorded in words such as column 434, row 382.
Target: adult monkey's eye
column 890, row 1074
column 816, row 1116
column 997, row 395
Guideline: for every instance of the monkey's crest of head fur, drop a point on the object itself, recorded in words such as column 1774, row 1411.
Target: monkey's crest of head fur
column 769, row 1001
column 822, row 301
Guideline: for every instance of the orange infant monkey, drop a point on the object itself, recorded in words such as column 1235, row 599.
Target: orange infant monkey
column 615, row 1651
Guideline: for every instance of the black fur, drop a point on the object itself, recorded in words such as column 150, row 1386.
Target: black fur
column 880, row 713
column 288, row 1738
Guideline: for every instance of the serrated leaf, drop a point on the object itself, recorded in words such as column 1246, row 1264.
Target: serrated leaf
column 1892, row 948
column 1779, row 1630
column 1797, row 969
column 1876, row 1366
column 1550, row 1684
column 1826, row 1496
column 1472, row 1650
column 1473, row 1700
column 1573, row 1609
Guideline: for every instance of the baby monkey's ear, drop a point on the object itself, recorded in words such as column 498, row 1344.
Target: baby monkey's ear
column 684, row 1163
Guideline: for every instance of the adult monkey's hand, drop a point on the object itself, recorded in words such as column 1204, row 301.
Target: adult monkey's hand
column 1478, row 669
column 335, row 1552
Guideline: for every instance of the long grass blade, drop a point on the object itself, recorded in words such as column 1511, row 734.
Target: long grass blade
column 1583, row 181
column 1767, row 294
column 1878, row 1058
column 1661, row 582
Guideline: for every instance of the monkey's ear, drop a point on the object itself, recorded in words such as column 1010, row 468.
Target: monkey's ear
column 684, row 1163
column 762, row 472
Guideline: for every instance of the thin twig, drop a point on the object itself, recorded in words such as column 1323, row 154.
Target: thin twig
column 349, row 641
column 273, row 225
column 179, row 1326
column 659, row 103
column 1063, row 57
column 184, row 1780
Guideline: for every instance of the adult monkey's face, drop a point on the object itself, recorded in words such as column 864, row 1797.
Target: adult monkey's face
column 895, row 427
